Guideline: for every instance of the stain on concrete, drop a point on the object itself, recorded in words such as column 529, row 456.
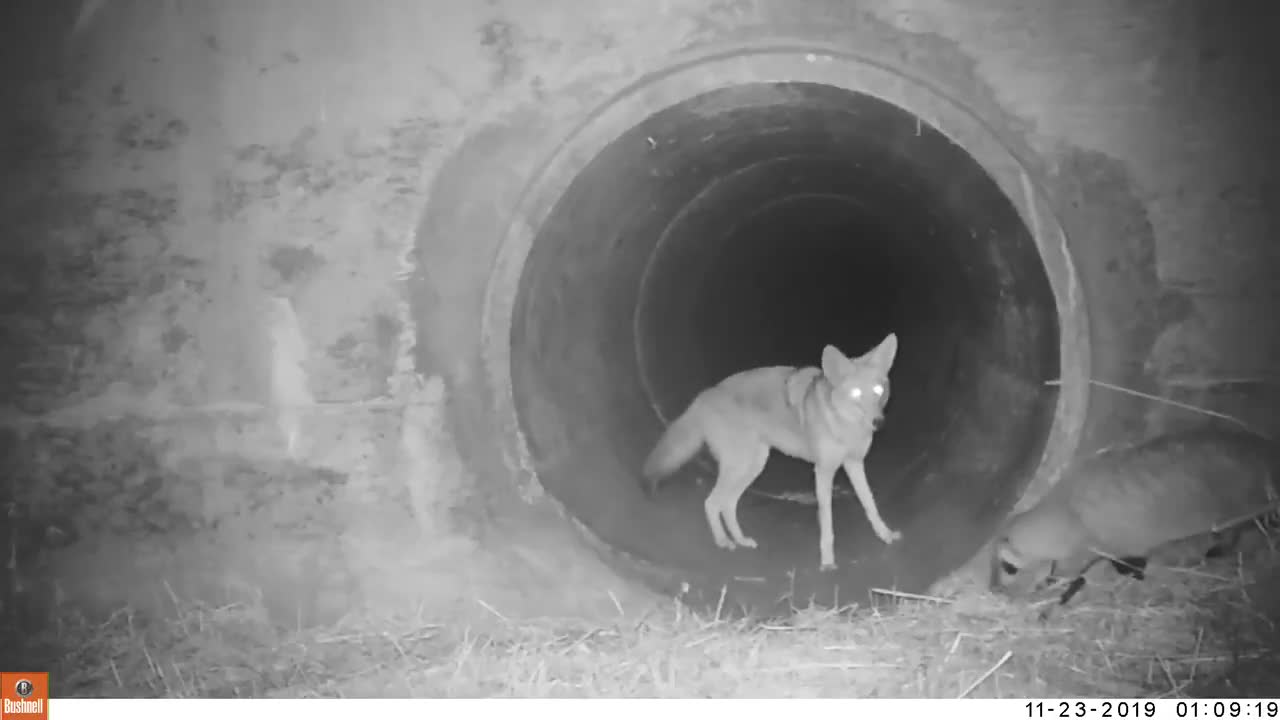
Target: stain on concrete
column 369, row 352
column 1173, row 307
column 500, row 37
column 107, row 481
column 151, row 132
column 118, row 95
column 1114, row 247
column 295, row 263
column 386, row 329
column 174, row 338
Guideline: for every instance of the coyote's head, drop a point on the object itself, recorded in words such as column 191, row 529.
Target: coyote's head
column 860, row 386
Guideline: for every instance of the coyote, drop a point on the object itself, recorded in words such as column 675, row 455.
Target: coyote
column 826, row 416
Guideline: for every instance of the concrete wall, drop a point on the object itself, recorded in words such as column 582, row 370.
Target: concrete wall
column 214, row 208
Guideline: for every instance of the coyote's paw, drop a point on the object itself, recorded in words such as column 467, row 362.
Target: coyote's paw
column 888, row 536
column 826, row 559
column 747, row 542
column 726, row 543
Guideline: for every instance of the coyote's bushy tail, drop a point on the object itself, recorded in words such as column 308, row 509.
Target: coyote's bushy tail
column 679, row 443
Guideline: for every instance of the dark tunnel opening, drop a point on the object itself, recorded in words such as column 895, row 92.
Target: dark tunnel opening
column 751, row 226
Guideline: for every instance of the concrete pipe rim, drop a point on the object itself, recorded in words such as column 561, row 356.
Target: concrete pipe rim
column 783, row 62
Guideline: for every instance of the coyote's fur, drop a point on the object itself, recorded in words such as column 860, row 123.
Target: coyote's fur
column 825, row 415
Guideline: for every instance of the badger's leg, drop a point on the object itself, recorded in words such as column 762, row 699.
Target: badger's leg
column 1134, row 566
column 1074, row 567
column 1073, row 587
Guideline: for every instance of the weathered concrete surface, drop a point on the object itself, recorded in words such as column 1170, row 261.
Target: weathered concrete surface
column 183, row 163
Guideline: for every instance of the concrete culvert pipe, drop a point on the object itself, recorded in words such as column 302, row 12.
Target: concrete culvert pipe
column 751, row 224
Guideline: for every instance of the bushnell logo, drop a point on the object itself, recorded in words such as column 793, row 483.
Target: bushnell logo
column 24, row 699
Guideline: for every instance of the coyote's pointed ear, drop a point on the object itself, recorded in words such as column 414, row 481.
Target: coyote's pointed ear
column 881, row 356
column 834, row 363
column 887, row 351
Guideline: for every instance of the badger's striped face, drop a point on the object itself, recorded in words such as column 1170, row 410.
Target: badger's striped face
column 1014, row 574
column 1005, row 565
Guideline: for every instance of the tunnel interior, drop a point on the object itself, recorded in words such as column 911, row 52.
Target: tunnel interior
column 751, row 226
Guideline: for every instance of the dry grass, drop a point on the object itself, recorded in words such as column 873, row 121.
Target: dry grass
column 1194, row 631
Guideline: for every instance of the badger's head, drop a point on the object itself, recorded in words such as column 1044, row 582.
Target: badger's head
column 1017, row 570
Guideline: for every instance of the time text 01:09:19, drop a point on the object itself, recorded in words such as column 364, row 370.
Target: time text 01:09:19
column 1120, row 709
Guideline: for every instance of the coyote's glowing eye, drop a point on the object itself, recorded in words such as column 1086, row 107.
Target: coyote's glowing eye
column 855, row 393
column 878, row 390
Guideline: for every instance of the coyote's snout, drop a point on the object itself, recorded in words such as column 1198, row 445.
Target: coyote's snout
column 825, row 415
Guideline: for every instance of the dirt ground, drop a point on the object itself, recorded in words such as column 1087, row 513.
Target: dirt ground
column 1192, row 629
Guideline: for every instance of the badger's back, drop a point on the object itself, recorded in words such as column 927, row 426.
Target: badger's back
column 1135, row 498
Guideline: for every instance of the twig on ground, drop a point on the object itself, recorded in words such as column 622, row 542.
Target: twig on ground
column 913, row 596
column 982, row 678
